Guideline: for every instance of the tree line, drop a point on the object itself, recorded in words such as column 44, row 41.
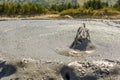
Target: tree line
column 21, row 9
column 62, row 7
column 33, row 9
column 95, row 4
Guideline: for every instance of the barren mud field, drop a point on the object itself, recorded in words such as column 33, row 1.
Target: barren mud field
column 41, row 41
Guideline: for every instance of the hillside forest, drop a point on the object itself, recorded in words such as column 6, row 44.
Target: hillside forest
column 90, row 8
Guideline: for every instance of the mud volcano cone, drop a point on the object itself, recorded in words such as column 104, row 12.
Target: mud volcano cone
column 85, row 45
column 82, row 40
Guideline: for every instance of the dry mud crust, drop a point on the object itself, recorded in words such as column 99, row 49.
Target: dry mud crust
column 28, row 69
column 95, row 70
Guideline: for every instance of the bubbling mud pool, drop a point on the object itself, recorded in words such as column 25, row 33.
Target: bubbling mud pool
column 42, row 39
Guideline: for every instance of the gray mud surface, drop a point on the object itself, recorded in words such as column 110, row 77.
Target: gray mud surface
column 29, row 49
column 43, row 39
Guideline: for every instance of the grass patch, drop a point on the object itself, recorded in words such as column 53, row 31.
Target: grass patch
column 90, row 12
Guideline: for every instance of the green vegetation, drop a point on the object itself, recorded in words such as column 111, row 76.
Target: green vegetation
column 62, row 7
column 90, row 8
column 95, row 4
column 77, row 12
column 22, row 9
column 90, row 12
column 117, row 5
column 94, row 8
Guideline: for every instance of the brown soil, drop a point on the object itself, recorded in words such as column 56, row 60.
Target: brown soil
column 54, row 16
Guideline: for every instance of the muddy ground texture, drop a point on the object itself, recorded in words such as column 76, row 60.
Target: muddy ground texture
column 57, row 61
column 28, row 69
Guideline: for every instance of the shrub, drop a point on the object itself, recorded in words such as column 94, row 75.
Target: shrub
column 71, row 12
column 77, row 12
column 106, row 11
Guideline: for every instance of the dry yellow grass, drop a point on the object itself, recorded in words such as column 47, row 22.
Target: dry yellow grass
column 90, row 12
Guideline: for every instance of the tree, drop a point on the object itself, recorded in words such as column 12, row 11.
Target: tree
column 117, row 5
column 105, row 4
column 94, row 4
column 54, row 7
column 69, row 5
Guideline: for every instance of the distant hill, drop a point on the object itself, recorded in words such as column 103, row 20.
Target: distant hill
column 49, row 2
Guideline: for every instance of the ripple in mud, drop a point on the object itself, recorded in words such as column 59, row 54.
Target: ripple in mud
column 72, row 53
